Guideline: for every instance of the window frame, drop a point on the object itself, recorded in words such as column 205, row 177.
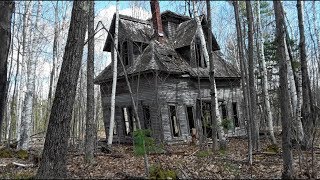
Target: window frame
column 171, row 121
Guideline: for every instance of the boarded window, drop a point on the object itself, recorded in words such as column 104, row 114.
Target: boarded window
column 174, row 121
column 235, row 114
column 146, row 117
column 125, row 53
column 190, row 118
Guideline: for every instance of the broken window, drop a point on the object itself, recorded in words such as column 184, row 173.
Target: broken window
column 146, row 117
column 224, row 110
column 115, row 128
column 129, row 121
column 138, row 47
column 199, row 55
column 190, row 118
column 206, row 118
column 125, row 53
column 174, row 121
column 235, row 114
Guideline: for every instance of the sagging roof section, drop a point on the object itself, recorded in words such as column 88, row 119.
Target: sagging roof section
column 163, row 56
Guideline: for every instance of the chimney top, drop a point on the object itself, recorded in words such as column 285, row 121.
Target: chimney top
column 156, row 19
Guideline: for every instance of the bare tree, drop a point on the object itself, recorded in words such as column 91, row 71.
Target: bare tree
column 252, row 89
column 307, row 119
column 203, row 43
column 53, row 163
column 265, row 92
column 6, row 8
column 28, row 102
column 284, row 94
column 114, row 80
column 244, row 80
column 90, row 123
column 213, row 87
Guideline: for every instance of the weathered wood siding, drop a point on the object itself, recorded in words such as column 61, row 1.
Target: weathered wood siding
column 144, row 95
column 184, row 92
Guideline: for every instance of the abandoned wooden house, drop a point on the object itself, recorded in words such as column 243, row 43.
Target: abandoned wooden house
column 169, row 79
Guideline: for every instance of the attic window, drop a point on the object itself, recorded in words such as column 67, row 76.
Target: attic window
column 199, row 55
column 138, row 47
column 125, row 53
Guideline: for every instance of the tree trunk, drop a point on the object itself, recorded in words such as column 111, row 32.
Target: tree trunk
column 213, row 87
column 307, row 119
column 252, row 89
column 53, row 163
column 114, row 80
column 26, row 120
column 284, row 94
column 264, row 76
column 243, row 78
column 6, row 8
column 200, row 34
column 54, row 60
column 26, row 15
column 90, row 123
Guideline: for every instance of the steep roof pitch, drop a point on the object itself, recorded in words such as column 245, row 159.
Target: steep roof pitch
column 164, row 57
column 138, row 30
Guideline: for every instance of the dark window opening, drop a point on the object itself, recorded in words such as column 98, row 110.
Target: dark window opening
column 190, row 118
column 125, row 53
column 174, row 121
column 224, row 111
column 235, row 114
column 199, row 55
column 206, row 119
column 115, row 128
column 146, row 117
column 138, row 47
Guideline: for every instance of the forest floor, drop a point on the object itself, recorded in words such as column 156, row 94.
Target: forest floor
column 187, row 161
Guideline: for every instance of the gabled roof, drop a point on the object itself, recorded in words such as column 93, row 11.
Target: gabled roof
column 163, row 56
column 138, row 30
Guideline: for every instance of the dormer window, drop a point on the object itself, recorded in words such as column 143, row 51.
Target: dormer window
column 199, row 54
column 125, row 53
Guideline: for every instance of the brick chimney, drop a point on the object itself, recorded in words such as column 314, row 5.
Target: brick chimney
column 156, row 19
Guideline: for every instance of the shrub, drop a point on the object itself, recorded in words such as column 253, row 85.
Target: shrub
column 6, row 153
column 157, row 172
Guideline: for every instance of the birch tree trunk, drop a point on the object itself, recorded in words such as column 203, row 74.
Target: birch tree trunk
column 284, row 94
column 6, row 8
column 25, row 31
column 114, row 80
column 264, row 76
column 213, row 87
column 53, row 162
column 252, row 89
column 307, row 119
column 200, row 34
column 244, row 76
column 26, row 120
column 90, row 122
